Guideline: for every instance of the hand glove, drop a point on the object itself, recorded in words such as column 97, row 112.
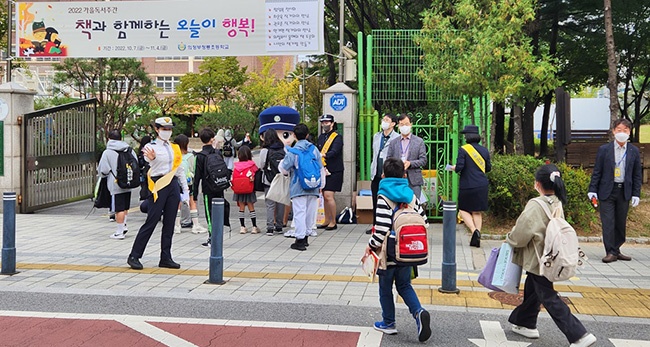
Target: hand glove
column 635, row 201
column 592, row 195
column 449, row 167
column 185, row 196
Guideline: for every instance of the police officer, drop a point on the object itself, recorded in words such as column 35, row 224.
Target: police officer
column 165, row 179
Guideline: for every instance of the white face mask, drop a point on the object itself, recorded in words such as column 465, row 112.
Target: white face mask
column 405, row 129
column 621, row 137
column 165, row 134
column 385, row 125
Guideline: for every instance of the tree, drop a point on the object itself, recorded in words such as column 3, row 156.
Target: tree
column 117, row 83
column 218, row 79
column 230, row 115
column 612, row 80
column 473, row 47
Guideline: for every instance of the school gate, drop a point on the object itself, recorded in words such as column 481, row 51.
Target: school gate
column 389, row 83
column 59, row 155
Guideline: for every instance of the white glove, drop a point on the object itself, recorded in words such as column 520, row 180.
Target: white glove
column 185, row 196
column 449, row 167
column 635, row 201
column 592, row 195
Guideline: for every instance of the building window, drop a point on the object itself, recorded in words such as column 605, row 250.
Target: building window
column 171, row 58
column 48, row 59
column 168, row 83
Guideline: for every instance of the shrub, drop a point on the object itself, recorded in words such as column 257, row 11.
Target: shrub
column 578, row 210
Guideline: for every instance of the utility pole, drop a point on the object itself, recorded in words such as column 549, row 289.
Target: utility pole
column 341, row 26
column 9, row 34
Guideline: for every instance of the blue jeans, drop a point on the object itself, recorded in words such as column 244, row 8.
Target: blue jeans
column 401, row 275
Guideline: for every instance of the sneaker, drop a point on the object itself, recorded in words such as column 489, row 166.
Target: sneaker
column 206, row 243
column 523, row 331
column 242, row 230
column 197, row 229
column 187, row 226
column 585, row 341
column 255, row 230
column 278, row 229
column 385, row 328
column 423, row 321
column 313, row 233
column 270, row 232
column 117, row 236
column 126, row 230
column 290, row 233
column 111, row 217
column 177, row 230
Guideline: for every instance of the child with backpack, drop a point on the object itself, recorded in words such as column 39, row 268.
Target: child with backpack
column 303, row 164
column 243, row 187
column 394, row 191
column 270, row 156
column 187, row 216
column 528, row 238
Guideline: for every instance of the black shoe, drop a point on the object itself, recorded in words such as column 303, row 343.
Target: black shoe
column 322, row 226
column 186, row 226
column 170, row 264
column 206, row 243
column 278, row 229
column 270, row 232
column 134, row 263
column 332, row 228
column 299, row 245
column 476, row 239
column 111, row 217
column 369, row 231
column 306, row 241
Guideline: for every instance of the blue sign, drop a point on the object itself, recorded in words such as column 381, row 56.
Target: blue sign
column 338, row 102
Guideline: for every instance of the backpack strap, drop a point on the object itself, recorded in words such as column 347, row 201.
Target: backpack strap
column 547, row 210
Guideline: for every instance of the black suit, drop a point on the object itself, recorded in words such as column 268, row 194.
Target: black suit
column 614, row 199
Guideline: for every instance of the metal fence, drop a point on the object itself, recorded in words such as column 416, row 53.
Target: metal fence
column 59, row 161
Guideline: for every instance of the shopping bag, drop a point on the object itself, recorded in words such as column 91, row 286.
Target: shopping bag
column 279, row 190
column 320, row 214
column 507, row 275
column 369, row 265
column 486, row 275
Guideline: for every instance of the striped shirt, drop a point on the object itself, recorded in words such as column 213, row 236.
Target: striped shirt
column 384, row 222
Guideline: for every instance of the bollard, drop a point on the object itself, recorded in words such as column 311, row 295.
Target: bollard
column 216, row 243
column 9, row 234
column 449, row 248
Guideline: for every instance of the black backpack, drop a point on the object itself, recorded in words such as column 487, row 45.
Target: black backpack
column 216, row 173
column 273, row 158
column 227, row 149
column 128, row 169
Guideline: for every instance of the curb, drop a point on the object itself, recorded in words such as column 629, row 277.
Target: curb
column 637, row 240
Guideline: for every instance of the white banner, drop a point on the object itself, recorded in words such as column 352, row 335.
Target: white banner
column 170, row 28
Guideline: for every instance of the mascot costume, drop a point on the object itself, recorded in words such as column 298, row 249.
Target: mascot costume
column 282, row 119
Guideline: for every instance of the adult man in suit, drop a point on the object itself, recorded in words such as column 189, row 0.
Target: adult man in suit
column 615, row 181
column 411, row 150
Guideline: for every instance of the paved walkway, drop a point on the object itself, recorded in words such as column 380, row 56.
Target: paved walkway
column 61, row 250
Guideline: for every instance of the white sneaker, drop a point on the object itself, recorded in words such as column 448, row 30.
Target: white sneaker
column 177, row 229
column 117, row 236
column 197, row 229
column 242, row 230
column 255, row 230
column 523, row 331
column 585, row 341
column 290, row 233
column 313, row 233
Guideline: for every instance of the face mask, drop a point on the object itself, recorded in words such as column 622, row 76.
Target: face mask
column 621, row 137
column 327, row 128
column 405, row 129
column 385, row 125
column 165, row 134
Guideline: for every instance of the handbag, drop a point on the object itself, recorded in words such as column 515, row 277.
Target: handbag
column 486, row 275
column 279, row 190
column 257, row 182
column 507, row 275
column 102, row 195
column 347, row 216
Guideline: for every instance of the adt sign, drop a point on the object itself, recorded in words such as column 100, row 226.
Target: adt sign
column 338, row 102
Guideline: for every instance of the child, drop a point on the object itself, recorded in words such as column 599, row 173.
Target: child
column 273, row 150
column 302, row 201
column 528, row 235
column 246, row 164
column 395, row 187
column 188, row 215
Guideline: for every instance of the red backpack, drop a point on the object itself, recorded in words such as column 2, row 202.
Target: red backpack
column 410, row 243
column 242, row 181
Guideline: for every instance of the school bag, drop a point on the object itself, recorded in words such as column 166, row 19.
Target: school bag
column 273, row 158
column 408, row 242
column 128, row 169
column 309, row 167
column 227, row 149
column 217, row 175
column 241, row 181
column 562, row 253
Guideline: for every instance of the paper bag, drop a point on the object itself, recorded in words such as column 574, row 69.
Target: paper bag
column 507, row 275
column 369, row 265
column 279, row 190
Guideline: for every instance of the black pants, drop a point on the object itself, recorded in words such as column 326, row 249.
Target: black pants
column 166, row 206
column 374, row 187
column 539, row 290
column 613, row 214
column 207, row 204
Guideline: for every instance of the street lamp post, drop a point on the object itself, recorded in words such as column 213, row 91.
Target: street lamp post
column 303, row 65
column 302, row 88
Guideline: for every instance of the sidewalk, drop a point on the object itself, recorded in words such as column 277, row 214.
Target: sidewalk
column 61, row 251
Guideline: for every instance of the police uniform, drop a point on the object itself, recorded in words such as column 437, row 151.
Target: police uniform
column 164, row 200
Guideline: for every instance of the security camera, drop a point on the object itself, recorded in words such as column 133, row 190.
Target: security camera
column 348, row 52
column 348, row 44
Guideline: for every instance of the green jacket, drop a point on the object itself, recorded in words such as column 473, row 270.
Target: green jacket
column 529, row 232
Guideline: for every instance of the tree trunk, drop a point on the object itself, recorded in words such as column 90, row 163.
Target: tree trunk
column 518, row 140
column 543, row 136
column 499, row 128
column 528, row 128
column 612, row 80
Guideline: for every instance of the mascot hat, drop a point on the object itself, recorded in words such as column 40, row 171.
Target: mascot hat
column 278, row 118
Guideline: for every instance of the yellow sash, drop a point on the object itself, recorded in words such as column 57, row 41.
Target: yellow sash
column 155, row 187
column 326, row 147
column 480, row 162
